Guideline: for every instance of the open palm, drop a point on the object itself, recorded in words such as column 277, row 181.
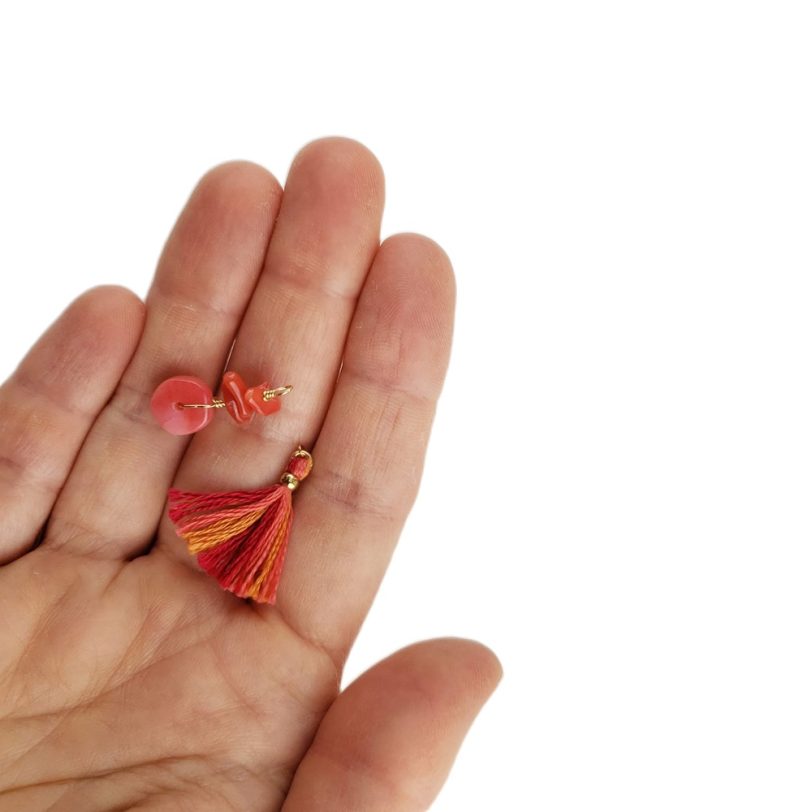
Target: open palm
column 128, row 679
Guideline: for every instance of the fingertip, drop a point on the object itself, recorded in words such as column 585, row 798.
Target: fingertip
column 469, row 671
column 229, row 194
column 428, row 250
column 481, row 663
column 218, row 243
column 416, row 274
column 114, row 303
column 105, row 318
column 402, row 331
column 330, row 160
column 238, row 179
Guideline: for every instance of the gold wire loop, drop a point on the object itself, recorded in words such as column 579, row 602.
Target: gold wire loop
column 300, row 452
column 270, row 394
column 219, row 403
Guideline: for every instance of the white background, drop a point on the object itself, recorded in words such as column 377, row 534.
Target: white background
column 617, row 494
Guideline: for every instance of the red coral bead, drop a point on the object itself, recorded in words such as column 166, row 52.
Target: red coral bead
column 234, row 390
column 255, row 400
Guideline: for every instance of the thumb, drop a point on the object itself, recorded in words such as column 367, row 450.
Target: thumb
column 389, row 740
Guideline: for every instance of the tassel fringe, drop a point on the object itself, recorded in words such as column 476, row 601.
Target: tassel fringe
column 240, row 538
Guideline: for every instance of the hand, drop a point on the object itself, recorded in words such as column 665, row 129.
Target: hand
column 128, row 678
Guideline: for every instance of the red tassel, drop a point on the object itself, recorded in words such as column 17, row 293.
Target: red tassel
column 240, row 537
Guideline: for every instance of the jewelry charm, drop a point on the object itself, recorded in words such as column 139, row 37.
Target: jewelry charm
column 185, row 404
column 240, row 537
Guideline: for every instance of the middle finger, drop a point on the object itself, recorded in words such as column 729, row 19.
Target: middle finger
column 294, row 330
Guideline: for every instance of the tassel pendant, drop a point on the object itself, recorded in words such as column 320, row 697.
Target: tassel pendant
column 240, row 537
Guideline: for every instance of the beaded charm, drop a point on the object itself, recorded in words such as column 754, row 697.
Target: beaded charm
column 239, row 537
column 185, row 404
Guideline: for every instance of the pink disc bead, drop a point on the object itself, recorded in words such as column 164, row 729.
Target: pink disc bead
column 171, row 393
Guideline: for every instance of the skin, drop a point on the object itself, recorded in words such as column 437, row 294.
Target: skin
column 128, row 679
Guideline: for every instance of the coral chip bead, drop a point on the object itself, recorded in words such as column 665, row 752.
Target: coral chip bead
column 234, row 389
column 171, row 393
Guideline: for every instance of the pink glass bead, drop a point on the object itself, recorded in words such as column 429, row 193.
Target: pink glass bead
column 171, row 393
